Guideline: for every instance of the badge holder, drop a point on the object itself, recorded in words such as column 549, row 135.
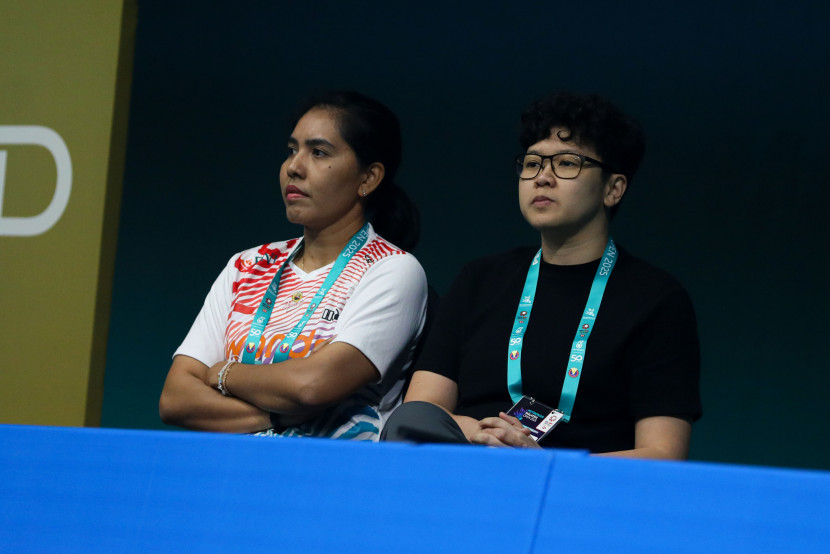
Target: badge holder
column 537, row 417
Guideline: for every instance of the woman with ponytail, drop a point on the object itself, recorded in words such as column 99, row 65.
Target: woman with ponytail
column 353, row 298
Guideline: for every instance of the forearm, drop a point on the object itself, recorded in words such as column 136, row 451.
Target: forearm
column 187, row 401
column 269, row 387
column 649, row 453
column 470, row 426
column 301, row 387
column 658, row 438
column 443, row 392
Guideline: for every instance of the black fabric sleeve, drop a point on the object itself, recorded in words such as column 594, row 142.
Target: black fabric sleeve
column 441, row 352
column 664, row 361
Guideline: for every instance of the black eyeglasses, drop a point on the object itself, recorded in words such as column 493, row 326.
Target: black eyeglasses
column 565, row 165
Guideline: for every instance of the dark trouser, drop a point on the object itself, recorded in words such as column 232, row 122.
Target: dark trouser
column 421, row 422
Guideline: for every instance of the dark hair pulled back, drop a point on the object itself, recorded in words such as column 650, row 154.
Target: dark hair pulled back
column 373, row 132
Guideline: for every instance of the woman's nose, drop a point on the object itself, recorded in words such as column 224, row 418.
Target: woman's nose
column 294, row 166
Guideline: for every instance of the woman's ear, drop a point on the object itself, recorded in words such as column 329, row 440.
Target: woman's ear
column 373, row 175
column 615, row 188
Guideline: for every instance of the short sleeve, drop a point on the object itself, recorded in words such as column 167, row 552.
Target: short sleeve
column 385, row 314
column 206, row 339
column 665, row 361
column 441, row 353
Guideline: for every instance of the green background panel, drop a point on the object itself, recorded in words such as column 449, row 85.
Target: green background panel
column 731, row 197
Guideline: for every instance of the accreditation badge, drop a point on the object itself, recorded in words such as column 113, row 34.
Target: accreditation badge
column 537, row 417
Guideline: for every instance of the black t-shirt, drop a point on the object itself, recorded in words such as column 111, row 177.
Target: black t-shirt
column 642, row 358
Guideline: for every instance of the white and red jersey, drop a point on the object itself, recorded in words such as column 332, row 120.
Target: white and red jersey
column 376, row 305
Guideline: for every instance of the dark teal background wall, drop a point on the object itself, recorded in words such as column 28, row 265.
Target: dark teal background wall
column 731, row 197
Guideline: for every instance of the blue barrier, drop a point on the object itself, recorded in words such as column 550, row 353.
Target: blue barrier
column 82, row 490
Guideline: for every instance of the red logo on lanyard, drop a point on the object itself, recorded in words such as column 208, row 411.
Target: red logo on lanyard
column 573, row 372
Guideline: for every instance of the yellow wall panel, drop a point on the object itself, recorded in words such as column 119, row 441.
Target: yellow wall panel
column 64, row 88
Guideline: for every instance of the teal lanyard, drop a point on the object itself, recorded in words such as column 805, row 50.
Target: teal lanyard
column 580, row 342
column 263, row 314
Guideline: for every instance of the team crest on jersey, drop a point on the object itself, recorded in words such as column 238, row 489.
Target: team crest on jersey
column 573, row 372
column 297, row 296
column 369, row 259
column 514, row 355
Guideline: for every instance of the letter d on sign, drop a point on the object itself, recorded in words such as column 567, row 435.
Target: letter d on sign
column 49, row 139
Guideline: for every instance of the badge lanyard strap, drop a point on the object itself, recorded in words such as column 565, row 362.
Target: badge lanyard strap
column 583, row 332
column 270, row 298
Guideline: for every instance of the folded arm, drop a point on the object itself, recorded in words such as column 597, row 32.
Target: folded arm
column 187, row 400
column 296, row 387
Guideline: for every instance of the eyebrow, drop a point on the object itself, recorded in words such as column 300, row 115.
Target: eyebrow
column 311, row 143
column 537, row 153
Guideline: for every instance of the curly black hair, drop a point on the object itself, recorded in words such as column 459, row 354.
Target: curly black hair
column 591, row 121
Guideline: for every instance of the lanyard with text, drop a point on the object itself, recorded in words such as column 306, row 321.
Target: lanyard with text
column 270, row 298
column 580, row 342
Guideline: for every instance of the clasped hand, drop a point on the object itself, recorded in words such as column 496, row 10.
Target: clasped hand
column 504, row 430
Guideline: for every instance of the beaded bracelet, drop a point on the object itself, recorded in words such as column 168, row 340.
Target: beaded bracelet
column 227, row 378
column 223, row 376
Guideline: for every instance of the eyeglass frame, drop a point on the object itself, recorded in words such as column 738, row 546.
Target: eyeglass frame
column 519, row 159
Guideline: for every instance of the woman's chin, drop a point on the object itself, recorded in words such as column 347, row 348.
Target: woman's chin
column 294, row 215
